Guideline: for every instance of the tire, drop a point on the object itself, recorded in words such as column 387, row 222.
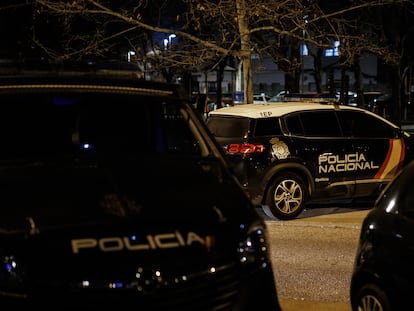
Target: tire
column 286, row 196
column 371, row 297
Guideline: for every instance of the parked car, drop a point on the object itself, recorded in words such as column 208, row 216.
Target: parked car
column 366, row 101
column 301, row 152
column 114, row 194
column 276, row 99
column 260, row 98
column 349, row 98
column 279, row 97
column 383, row 273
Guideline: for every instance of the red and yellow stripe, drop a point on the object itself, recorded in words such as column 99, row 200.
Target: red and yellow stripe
column 393, row 161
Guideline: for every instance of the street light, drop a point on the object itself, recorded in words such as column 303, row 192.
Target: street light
column 171, row 37
column 167, row 42
column 130, row 54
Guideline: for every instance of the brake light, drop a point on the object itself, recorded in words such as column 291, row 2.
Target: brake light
column 244, row 149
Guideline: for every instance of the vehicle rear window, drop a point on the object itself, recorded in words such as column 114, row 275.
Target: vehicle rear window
column 228, row 126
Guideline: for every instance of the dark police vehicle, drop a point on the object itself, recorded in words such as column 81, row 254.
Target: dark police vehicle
column 103, row 200
column 297, row 152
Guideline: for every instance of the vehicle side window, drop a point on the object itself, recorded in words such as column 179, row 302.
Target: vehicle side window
column 267, row 127
column 294, row 125
column 316, row 124
column 321, row 123
column 360, row 124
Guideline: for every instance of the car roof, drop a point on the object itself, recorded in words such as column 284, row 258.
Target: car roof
column 104, row 81
column 256, row 111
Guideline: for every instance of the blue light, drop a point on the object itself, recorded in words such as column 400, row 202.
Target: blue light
column 86, row 146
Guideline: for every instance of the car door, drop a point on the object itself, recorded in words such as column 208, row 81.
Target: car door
column 378, row 152
column 324, row 150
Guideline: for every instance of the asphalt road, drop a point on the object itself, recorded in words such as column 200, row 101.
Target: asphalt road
column 313, row 257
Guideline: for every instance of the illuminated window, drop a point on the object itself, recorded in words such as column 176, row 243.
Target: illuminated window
column 304, row 50
column 334, row 51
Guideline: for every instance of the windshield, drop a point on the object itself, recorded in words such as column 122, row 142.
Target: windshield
column 44, row 125
column 71, row 158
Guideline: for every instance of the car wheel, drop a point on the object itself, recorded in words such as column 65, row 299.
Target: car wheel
column 371, row 298
column 286, row 196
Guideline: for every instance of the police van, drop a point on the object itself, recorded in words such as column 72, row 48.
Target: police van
column 297, row 152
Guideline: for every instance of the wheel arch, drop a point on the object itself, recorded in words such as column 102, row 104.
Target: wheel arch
column 364, row 277
column 297, row 168
column 367, row 278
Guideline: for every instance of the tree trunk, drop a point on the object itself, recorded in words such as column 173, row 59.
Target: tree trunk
column 292, row 68
column 245, row 51
column 291, row 82
column 220, row 75
column 317, row 67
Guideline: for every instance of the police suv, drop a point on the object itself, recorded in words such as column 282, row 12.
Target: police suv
column 297, row 152
column 102, row 191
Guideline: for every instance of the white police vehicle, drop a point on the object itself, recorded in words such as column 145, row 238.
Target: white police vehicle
column 298, row 152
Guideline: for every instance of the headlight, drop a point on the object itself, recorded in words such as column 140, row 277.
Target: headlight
column 254, row 248
column 11, row 276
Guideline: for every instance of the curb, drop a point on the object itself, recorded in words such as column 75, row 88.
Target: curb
column 351, row 219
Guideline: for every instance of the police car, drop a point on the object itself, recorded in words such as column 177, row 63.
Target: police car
column 298, row 152
column 102, row 192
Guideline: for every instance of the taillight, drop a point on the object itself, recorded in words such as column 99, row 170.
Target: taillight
column 244, row 149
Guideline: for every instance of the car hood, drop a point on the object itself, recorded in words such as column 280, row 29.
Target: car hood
column 136, row 226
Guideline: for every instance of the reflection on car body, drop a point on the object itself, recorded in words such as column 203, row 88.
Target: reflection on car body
column 299, row 152
column 103, row 183
column 382, row 277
